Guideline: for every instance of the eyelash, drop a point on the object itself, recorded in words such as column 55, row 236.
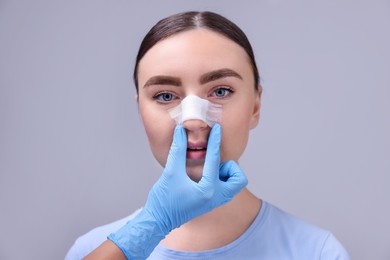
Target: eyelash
column 160, row 95
column 225, row 88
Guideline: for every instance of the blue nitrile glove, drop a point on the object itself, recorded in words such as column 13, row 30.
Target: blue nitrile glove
column 176, row 199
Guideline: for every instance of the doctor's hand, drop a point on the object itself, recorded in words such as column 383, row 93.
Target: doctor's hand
column 175, row 199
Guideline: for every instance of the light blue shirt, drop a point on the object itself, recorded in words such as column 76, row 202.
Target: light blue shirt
column 274, row 234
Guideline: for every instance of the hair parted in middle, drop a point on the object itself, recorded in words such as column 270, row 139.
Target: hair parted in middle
column 186, row 21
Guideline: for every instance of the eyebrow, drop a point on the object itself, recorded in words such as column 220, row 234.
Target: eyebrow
column 205, row 78
column 163, row 80
column 218, row 74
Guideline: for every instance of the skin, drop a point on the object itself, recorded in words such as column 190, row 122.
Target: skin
column 172, row 69
column 181, row 61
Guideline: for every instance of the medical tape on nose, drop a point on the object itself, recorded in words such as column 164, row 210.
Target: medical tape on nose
column 194, row 107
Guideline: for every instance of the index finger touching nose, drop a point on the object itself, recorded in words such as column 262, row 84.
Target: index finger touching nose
column 211, row 166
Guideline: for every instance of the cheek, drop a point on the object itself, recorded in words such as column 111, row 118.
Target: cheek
column 159, row 129
column 235, row 133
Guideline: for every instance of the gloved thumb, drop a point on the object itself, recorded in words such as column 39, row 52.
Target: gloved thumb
column 177, row 153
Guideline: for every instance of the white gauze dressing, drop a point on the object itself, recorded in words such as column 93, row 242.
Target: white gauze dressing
column 194, row 107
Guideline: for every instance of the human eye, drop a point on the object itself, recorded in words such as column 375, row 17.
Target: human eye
column 164, row 97
column 222, row 92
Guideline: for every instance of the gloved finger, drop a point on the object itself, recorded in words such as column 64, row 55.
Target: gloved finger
column 234, row 179
column 212, row 161
column 177, row 153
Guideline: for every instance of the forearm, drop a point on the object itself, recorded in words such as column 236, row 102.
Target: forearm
column 107, row 250
column 135, row 240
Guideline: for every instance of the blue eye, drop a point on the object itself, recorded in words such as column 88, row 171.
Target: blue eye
column 164, row 97
column 222, row 92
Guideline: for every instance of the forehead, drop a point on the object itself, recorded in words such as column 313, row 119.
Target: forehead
column 200, row 50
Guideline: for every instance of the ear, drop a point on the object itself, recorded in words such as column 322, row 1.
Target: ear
column 256, row 108
column 136, row 97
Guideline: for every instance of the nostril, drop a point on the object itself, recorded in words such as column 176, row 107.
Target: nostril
column 194, row 124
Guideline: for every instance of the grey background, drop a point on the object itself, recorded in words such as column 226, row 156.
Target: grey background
column 73, row 153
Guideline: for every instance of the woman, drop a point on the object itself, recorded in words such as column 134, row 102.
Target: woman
column 200, row 208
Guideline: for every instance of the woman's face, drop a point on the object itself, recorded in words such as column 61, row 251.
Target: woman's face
column 211, row 66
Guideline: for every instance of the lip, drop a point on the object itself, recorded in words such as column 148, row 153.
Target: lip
column 196, row 150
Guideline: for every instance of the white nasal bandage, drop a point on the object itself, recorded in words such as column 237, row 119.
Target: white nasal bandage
column 194, row 107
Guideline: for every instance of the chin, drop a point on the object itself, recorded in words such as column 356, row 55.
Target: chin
column 195, row 172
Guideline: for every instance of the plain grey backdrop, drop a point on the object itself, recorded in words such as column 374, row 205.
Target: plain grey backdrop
column 74, row 155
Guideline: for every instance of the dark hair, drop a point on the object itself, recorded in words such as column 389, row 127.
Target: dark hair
column 191, row 20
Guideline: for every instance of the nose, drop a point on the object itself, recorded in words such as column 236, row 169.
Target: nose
column 195, row 125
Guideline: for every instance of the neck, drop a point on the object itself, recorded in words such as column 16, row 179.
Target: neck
column 217, row 228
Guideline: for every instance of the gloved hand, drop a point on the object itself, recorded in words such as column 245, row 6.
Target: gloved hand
column 176, row 199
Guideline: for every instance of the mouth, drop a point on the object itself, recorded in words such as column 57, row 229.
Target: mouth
column 196, row 151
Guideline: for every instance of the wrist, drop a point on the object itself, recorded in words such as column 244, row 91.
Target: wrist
column 138, row 238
